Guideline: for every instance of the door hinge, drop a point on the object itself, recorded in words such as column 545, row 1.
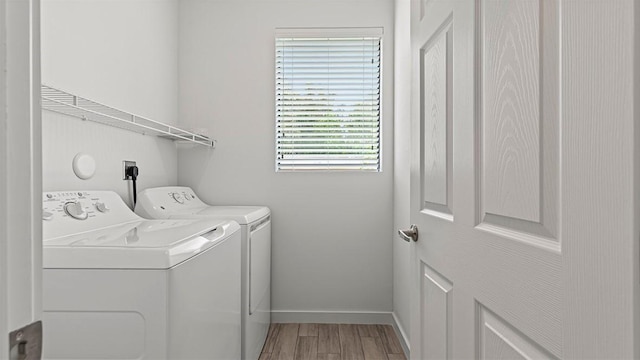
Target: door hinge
column 26, row 343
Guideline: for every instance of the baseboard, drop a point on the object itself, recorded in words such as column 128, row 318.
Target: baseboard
column 344, row 317
column 332, row 317
column 402, row 335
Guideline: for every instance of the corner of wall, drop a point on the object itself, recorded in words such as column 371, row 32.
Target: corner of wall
column 403, row 336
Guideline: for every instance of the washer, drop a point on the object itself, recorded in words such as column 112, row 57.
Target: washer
column 177, row 202
column 116, row 286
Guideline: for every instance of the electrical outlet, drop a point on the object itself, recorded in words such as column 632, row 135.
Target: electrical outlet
column 126, row 165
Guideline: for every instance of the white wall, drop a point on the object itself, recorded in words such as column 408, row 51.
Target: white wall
column 120, row 53
column 332, row 232
column 401, row 160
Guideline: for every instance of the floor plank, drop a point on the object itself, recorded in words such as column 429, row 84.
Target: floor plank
column 328, row 339
column 328, row 356
column 389, row 339
column 373, row 348
column 350, row 344
column 396, row 357
column 307, row 348
column 272, row 336
column 368, row 331
column 285, row 346
column 331, row 342
column 308, row 330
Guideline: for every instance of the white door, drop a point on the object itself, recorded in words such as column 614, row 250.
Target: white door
column 522, row 179
column 20, row 172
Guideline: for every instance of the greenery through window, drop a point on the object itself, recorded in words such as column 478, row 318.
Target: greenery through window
column 328, row 103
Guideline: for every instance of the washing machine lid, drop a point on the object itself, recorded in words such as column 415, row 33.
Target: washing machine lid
column 148, row 244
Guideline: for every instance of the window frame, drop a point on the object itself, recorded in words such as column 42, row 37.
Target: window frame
column 331, row 33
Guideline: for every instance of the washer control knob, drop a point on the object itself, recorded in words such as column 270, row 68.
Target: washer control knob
column 75, row 210
column 102, row 207
column 46, row 215
column 186, row 196
column 177, row 197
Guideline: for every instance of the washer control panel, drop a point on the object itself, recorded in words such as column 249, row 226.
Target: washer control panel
column 70, row 212
column 161, row 202
column 182, row 196
column 78, row 205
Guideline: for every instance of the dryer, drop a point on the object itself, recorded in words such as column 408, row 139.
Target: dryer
column 179, row 202
column 116, row 286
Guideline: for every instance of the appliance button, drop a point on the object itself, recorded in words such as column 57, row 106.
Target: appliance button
column 46, row 215
column 102, row 207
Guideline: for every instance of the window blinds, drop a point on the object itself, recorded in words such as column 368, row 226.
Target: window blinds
column 328, row 103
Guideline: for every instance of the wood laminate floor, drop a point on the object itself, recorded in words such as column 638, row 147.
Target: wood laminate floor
column 331, row 342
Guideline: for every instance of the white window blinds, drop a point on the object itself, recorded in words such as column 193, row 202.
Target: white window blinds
column 328, row 103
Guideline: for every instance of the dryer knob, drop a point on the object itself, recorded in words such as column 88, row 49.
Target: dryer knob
column 75, row 210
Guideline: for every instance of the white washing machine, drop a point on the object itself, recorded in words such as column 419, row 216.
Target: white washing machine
column 177, row 202
column 116, row 286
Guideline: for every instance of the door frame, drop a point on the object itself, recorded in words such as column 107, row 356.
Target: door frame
column 20, row 168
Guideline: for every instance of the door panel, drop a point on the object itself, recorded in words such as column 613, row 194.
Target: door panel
column 510, row 65
column 437, row 304
column 499, row 340
column 436, row 118
column 517, row 129
column 512, row 214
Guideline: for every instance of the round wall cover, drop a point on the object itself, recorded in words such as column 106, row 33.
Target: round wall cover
column 84, row 166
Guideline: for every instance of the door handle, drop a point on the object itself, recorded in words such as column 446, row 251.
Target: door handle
column 408, row 235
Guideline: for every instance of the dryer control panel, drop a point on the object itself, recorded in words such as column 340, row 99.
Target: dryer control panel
column 70, row 212
column 162, row 202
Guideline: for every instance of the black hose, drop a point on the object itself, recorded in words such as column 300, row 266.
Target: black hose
column 135, row 192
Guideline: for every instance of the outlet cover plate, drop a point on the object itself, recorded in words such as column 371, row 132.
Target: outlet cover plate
column 126, row 164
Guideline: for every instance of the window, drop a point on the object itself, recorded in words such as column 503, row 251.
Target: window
column 328, row 100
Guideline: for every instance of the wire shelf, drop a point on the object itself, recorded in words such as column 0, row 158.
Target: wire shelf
column 73, row 105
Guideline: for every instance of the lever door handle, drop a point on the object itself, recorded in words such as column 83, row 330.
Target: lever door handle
column 408, row 235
